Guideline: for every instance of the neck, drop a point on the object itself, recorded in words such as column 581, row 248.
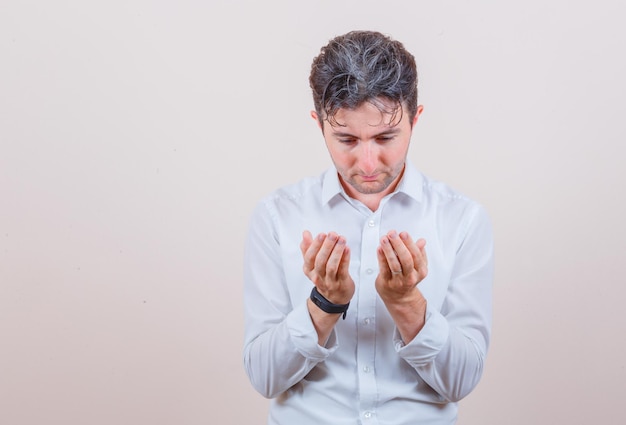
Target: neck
column 370, row 200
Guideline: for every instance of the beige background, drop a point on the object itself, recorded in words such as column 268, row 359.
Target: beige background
column 135, row 138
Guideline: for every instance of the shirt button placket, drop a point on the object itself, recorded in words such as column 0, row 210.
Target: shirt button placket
column 366, row 349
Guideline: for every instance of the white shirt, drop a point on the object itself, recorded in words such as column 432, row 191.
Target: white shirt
column 365, row 374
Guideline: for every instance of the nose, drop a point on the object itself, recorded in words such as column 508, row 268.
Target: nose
column 368, row 159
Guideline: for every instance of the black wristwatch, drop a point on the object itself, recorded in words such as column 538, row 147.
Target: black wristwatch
column 325, row 305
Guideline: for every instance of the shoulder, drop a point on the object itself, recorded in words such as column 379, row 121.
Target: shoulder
column 295, row 192
column 450, row 201
column 303, row 193
column 437, row 190
column 457, row 216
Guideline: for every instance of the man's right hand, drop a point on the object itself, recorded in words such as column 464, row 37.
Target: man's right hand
column 326, row 263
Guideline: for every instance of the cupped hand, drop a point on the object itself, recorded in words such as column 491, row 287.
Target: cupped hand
column 403, row 264
column 326, row 264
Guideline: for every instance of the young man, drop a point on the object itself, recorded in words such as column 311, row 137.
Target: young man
column 368, row 288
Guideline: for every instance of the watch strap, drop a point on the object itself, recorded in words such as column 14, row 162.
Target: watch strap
column 326, row 306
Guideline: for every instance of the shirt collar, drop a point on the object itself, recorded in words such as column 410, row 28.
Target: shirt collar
column 411, row 184
column 331, row 186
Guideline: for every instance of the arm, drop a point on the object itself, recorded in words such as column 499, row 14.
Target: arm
column 402, row 266
column 326, row 264
column 447, row 348
column 281, row 343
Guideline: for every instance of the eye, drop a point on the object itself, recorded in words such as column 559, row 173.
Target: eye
column 346, row 141
column 384, row 139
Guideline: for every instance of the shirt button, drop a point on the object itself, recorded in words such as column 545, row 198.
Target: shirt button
column 367, row 415
column 371, row 223
column 366, row 320
column 366, row 369
column 369, row 271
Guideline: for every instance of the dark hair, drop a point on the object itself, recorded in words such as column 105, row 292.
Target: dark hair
column 363, row 66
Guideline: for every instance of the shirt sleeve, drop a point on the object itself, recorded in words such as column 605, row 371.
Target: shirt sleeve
column 450, row 350
column 280, row 342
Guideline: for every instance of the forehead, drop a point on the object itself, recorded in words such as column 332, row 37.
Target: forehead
column 380, row 116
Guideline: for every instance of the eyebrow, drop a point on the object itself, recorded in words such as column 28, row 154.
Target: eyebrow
column 394, row 130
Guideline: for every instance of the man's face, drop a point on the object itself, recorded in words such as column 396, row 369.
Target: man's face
column 368, row 149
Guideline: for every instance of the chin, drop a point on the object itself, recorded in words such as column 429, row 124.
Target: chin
column 370, row 188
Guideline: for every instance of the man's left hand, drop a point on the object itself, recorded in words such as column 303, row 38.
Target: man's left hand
column 403, row 265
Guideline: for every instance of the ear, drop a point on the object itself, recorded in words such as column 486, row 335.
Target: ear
column 316, row 119
column 420, row 109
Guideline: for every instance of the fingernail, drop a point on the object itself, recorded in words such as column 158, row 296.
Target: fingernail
column 393, row 234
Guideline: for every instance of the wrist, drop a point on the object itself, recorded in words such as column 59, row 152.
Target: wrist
column 408, row 313
column 411, row 304
column 328, row 307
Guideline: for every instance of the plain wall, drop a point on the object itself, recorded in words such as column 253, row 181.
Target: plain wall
column 137, row 136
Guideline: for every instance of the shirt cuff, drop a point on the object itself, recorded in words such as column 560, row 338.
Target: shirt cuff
column 304, row 336
column 427, row 343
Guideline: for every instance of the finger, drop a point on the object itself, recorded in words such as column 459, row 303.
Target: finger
column 422, row 262
column 411, row 247
column 417, row 250
column 321, row 259
column 383, row 265
column 336, row 256
column 402, row 251
column 421, row 244
column 391, row 258
column 344, row 264
column 307, row 240
column 310, row 254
